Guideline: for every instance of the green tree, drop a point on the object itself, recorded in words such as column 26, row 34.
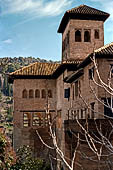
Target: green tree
column 26, row 162
column 7, row 155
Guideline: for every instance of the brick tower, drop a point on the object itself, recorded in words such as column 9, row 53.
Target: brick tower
column 82, row 31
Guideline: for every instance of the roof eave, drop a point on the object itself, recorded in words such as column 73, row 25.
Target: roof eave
column 63, row 22
column 67, row 16
column 88, row 59
column 56, row 73
column 11, row 78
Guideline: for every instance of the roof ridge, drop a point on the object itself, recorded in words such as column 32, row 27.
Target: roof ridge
column 75, row 7
column 90, row 7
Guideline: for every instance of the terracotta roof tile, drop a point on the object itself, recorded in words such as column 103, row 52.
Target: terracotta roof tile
column 105, row 50
column 84, row 9
column 82, row 12
column 37, row 69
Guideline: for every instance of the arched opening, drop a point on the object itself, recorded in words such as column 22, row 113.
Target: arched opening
column 37, row 93
column 86, row 36
column 78, row 36
column 96, row 34
column 50, row 93
column 31, row 93
column 24, row 93
column 43, row 93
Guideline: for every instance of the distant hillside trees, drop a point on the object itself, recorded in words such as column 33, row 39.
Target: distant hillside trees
column 7, row 88
column 8, row 65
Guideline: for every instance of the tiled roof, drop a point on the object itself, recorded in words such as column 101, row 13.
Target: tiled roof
column 105, row 50
column 82, row 12
column 37, row 69
column 84, row 9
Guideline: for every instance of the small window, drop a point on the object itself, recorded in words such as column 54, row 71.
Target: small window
column 67, row 93
column 24, row 93
column 81, row 113
column 50, row 93
column 96, row 34
column 78, row 36
column 92, row 110
column 31, row 93
column 86, row 36
column 76, row 88
column 91, row 73
column 26, row 121
column 43, row 93
column 37, row 93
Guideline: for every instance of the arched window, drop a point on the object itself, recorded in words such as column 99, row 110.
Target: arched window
column 86, row 36
column 78, row 36
column 43, row 93
column 31, row 93
column 37, row 93
column 96, row 34
column 24, row 93
column 50, row 93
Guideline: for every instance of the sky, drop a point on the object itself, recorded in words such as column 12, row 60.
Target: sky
column 29, row 27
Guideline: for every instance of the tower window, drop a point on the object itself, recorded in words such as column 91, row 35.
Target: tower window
column 96, row 34
column 78, row 36
column 24, row 93
column 50, row 93
column 37, row 93
column 43, row 93
column 31, row 93
column 86, row 36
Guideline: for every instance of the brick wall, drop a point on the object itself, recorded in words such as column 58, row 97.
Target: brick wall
column 27, row 135
column 81, row 49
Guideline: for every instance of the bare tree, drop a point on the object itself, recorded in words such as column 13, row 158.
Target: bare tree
column 92, row 139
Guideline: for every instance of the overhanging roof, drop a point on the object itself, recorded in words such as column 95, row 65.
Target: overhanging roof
column 43, row 70
column 82, row 12
column 105, row 51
